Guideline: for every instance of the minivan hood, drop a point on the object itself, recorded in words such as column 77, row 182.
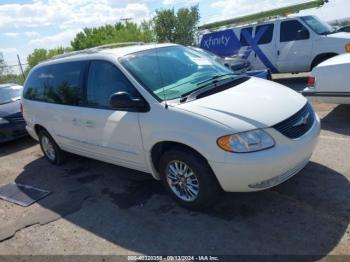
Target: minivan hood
column 256, row 103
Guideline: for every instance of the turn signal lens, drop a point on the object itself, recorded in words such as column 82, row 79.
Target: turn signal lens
column 347, row 48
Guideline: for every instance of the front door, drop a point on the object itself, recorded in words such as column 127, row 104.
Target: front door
column 111, row 135
column 295, row 47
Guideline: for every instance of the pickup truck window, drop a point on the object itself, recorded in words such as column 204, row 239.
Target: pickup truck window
column 242, row 38
column 293, row 30
column 267, row 36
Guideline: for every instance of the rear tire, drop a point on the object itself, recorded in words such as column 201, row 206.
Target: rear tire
column 197, row 187
column 51, row 150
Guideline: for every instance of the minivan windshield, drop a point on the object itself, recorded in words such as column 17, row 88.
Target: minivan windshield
column 318, row 26
column 174, row 71
column 9, row 94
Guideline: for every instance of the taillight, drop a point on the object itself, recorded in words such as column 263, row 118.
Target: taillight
column 21, row 108
column 311, row 81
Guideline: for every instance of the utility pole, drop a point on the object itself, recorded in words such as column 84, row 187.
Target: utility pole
column 20, row 66
column 126, row 20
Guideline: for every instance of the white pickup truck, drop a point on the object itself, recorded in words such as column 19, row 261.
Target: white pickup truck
column 330, row 81
column 291, row 44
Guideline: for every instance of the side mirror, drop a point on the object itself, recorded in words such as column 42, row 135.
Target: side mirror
column 123, row 100
column 303, row 34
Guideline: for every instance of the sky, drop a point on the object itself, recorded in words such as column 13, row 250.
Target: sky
column 29, row 24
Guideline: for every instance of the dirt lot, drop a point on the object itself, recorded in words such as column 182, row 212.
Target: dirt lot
column 97, row 208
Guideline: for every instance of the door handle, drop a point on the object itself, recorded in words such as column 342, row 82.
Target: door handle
column 278, row 52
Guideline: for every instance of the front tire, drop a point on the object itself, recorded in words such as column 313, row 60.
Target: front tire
column 189, row 179
column 51, row 150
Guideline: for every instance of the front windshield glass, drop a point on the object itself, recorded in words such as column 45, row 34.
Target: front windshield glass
column 171, row 72
column 207, row 53
column 10, row 93
column 318, row 26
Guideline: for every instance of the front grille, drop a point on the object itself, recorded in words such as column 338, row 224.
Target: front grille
column 15, row 118
column 298, row 124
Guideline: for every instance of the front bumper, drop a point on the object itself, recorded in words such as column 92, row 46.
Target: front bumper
column 267, row 168
column 12, row 131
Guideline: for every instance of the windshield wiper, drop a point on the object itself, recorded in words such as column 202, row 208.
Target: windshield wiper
column 212, row 80
column 192, row 95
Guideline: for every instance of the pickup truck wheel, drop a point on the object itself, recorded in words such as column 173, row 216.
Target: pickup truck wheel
column 51, row 150
column 189, row 179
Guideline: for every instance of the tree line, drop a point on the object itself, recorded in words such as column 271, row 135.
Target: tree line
column 167, row 25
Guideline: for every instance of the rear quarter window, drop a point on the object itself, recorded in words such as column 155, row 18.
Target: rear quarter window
column 59, row 83
column 66, row 86
column 36, row 84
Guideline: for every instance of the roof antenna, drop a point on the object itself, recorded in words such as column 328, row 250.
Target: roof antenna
column 161, row 77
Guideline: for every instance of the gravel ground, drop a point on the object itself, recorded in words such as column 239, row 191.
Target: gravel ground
column 97, row 208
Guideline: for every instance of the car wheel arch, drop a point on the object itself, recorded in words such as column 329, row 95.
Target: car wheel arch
column 38, row 128
column 160, row 147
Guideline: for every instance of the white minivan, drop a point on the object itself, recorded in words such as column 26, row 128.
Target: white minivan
column 291, row 44
column 172, row 112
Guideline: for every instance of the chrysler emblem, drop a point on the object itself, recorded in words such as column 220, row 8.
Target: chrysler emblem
column 302, row 121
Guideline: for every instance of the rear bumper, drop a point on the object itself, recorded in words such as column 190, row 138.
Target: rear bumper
column 326, row 97
column 32, row 132
column 12, row 131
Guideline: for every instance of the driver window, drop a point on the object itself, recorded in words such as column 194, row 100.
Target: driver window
column 293, row 30
column 104, row 80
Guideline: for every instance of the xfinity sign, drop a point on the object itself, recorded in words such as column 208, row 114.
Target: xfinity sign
column 216, row 41
column 223, row 43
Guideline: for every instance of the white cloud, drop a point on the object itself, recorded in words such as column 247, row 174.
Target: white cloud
column 230, row 9
column 32, row 34
column 60, row 39
column 70, row 13
column 238, row 8
column 176, row 2
column 11, row 34
column 29, row 34
column 8, row 50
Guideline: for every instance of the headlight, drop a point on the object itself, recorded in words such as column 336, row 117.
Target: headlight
column 3, row 121
column 347, row 48
column 250, row 141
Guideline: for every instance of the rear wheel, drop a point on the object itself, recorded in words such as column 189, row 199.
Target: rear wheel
column 51, row 150
column 189, row 179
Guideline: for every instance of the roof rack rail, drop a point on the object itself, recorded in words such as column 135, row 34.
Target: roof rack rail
column 96, row 49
